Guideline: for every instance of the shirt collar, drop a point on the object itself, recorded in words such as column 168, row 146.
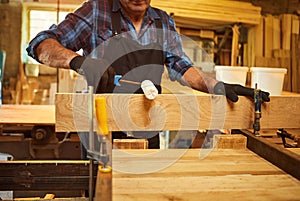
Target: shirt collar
column 151, row 13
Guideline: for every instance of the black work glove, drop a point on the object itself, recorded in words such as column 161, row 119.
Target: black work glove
column 233, row 90
column 97, row 72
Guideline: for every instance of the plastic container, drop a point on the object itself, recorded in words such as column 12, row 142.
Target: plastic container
column 268, row 79
column 232, row 74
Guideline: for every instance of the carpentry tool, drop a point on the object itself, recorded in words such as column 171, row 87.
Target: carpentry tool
column 101, row 156
column 147, row 86
column 105, row 171
column 101, row 116
column 257, row 109
column 90, row 151
column 284, row 134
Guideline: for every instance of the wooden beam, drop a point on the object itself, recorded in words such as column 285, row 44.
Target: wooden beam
column 236, row 141
column 259, row 39
column 177, row 112
column 27, row 114
column 279, row 156
column 235, row 45
column 295, row 57
column 276, row 33
column 286, row 31
column 268, row 42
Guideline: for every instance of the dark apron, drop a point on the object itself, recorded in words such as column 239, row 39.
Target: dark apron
column 136, row 63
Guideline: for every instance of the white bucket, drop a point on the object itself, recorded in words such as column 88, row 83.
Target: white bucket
column 232, row 74
column 268, row 79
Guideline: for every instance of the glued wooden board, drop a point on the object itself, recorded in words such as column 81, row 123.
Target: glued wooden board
column 221, row 174
column 177, row 112
column 27, row 114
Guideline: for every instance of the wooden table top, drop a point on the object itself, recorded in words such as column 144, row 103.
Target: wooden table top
column 219, row 174
column 27, row 114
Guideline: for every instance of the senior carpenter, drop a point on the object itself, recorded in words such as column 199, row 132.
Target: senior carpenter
column 128, row 38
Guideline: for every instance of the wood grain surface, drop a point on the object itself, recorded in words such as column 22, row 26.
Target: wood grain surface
column 27, row 114
column 219, row 174
column 177, row 112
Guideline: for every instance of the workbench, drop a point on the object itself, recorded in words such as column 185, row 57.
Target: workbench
column 222, row 174
column 200, row 174
column 28, row 132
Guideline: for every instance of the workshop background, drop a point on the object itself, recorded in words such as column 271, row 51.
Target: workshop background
column 251, row 33
column 268, row 36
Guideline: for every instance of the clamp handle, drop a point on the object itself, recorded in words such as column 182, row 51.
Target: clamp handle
column 117, row 79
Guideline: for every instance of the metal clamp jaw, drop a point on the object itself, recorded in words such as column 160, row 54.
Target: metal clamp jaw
column 257, row 109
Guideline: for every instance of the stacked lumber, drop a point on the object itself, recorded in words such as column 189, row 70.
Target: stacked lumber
column 209, row 14
column 275, row 43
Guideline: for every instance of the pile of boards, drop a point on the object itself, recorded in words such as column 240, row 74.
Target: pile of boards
column 275, row 43
column 209, row 14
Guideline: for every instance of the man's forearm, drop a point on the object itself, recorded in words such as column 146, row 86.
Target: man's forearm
column 50, row 52
column 198, row 80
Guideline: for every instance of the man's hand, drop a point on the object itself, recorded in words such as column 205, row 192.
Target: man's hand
column 98, row 73
column 233, row 90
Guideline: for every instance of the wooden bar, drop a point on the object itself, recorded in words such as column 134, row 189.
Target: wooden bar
column 206, row 174
column 131, row 143
column 279, row 156
column 268, row 43
column 177, row 112
column 27, row 114
column 286, row 31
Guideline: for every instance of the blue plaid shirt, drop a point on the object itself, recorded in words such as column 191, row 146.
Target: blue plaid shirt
column 90, row 26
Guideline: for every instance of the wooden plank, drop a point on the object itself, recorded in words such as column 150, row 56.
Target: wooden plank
column 295, row 72
column 267, row 62
column 235, row 45
column 276, row 33
column 286, row 31
column 207, row 34
column 287, row 83
column 252, row 46
column 218, row 174
column 27, row 114
column 268, row 36
column 281, row 53
column 216, row 11
column 131, row 143
column 177, row 112
column 279, row 156
column 236, row 141
column 259, row 39
column 295, row 150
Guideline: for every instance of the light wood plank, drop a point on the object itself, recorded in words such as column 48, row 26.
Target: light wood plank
column 27, row 114
column 295, row 57
column 276, row 33
column 259, row 39
column 220, row 175
column 286, row 31
column 268, row 42
column 177, row 112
